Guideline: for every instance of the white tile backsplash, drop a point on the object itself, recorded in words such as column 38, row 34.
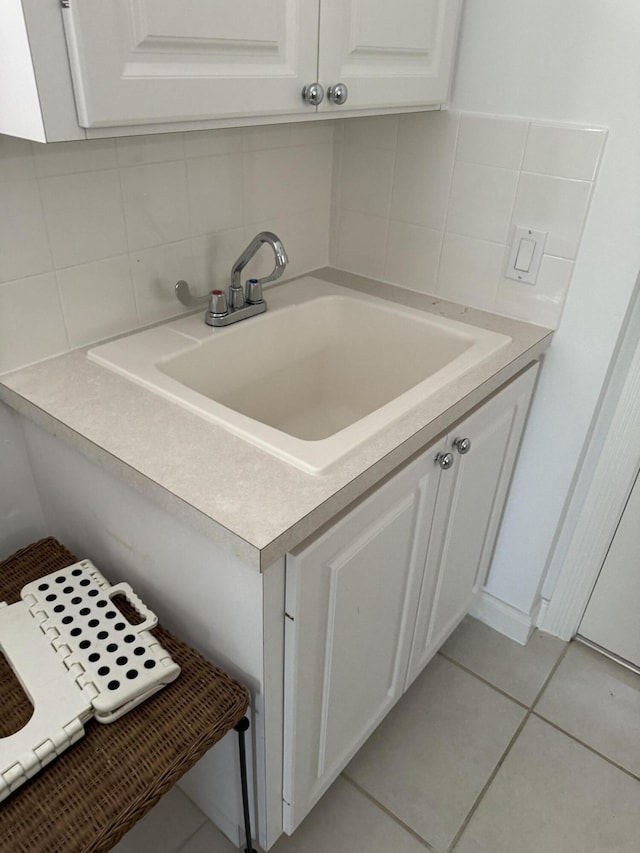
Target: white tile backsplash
column 84, row 216
column 413, row 255
column 469, row 270
column 98, row 231
column 98, row 299
column 566, row 152
column 481, row 201
column 491, row 141
column 367, row 179
column 32, row 325
column 95, row 234
column 156, row 203
column 66, row 158
column 461, row 183
column 556, row 205
column 24, row 244
column 215, row 192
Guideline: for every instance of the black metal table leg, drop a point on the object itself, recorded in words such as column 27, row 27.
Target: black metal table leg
column 241, row 728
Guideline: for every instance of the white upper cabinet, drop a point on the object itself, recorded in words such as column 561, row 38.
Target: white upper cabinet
column 148, row 61
column 387, row 54
column 89, row 68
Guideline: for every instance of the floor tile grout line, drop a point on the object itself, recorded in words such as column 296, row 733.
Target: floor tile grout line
column 485, row 681
column 487, row 784
column 547, row 680
column 389, row 813
column 195, row 832
column 504, row 755
column 586, row 746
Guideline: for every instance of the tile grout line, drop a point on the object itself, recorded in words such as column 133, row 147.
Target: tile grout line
column 390, row 814
column 504, row 755
column 484, row 681
column 582, row 743
column 193, row 834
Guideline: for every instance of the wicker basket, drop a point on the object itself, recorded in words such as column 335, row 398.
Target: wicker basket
column 90, row 796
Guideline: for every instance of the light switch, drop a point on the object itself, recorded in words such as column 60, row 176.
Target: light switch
column 525, row 255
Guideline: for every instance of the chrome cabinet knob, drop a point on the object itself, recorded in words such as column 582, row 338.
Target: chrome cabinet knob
column 338, row 93
column 313, row 94
column 444, row 460
column 462, row 445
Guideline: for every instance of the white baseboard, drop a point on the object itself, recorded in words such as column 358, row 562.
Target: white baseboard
column 503, row 617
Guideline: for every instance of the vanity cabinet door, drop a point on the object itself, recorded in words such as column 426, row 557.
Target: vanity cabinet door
column 146, row 61
column 387, row 54
column 350, row 609
column 471, row 499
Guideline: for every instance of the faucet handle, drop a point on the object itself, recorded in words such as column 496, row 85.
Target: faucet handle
column 184, row 295
column 218, row 303
column 253, row 291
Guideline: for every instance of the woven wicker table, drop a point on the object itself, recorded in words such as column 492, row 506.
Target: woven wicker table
column 88, row 798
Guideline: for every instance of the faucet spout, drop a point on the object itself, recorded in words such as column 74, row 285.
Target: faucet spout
column 278, row 250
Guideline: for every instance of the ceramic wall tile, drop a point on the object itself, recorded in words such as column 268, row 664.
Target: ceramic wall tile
column 372, row 132
column 432, row 135
column 492, row 141
column 472, row 177
column 361, row 243
column 469, row 270
column 24, row 244
column 84, row 216
column 16, row 159
column 305, row 237
column 97, row 300
column 566, row 152
column 67, row 158
column 541, row 303
column 156, row 204
column 207, row 143
column 481, row 201
column 420, row 190
column 556, row 205
column 268, row 172
column 213, row 257
column 412, row 257
column 215, row 192
column 367, row 178
column 46, row 328
column 155, row 148
column 155, row 272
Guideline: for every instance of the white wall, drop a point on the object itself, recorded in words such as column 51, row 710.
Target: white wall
column 572, row 61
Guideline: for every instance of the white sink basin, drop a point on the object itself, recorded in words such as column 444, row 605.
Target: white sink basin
column 321, row 372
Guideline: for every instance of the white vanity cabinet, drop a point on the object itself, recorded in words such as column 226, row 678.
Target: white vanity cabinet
column 86, row 68
column 370, row 601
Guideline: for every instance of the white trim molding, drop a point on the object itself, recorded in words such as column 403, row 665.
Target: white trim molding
column 503, row 617
column 609, row 469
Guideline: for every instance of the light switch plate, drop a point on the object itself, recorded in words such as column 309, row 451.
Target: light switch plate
column 525, row 256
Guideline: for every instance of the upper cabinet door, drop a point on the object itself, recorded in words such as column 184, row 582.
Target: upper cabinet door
column 387, row 54
column 146, row 61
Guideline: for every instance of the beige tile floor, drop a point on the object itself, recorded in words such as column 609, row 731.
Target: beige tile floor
column 495, row 748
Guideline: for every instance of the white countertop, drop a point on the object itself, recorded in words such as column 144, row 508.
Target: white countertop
column 240, row 496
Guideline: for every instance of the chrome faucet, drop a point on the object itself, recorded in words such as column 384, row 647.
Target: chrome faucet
column 239, row 305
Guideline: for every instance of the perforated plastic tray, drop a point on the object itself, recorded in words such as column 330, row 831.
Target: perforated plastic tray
column 76, row 656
